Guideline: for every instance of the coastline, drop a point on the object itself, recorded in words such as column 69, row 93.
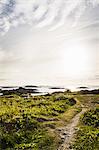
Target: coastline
column 44, row 90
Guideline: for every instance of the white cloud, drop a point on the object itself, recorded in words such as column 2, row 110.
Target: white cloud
column 41, row 13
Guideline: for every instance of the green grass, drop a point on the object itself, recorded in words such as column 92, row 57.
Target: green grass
column 26, row 124
column 30, row 123
column 87, row 137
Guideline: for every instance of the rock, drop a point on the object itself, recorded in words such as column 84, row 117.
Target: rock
column 31, row 86
column 95, row 91
column 82, row 87
column 62, row 137
column 56, row 88
column 19, row 91
column 65, row 133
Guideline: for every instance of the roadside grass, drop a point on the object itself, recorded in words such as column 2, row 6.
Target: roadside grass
column 66, row 117
column 87, row 137
column 29, row 123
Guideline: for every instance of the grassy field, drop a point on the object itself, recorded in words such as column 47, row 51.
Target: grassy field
column 87, row 137
column 31, row 123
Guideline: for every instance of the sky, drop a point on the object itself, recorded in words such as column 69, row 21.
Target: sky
column 49, row 42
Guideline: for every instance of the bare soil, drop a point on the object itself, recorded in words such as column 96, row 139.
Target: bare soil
column 67, row 133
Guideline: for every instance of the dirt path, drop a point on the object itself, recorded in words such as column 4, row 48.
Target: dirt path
column 67, row 132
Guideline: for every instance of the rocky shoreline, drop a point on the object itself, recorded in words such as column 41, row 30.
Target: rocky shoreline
column 41, row 90
column 36, row 90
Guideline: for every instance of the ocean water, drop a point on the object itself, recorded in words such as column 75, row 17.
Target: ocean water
column 44, row 89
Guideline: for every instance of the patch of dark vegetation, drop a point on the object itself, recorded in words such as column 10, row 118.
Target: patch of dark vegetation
column 72, row 101
column 59, row 98
column 91, row 118
column 48, row 94
column 23, row 133
column 68, row 91
column 95, row 102
column 9, row 96
column 45, row 120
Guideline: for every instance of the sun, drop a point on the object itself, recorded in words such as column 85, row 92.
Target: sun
column 76, row 60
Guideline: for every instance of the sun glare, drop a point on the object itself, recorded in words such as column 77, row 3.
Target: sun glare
column 76, row 60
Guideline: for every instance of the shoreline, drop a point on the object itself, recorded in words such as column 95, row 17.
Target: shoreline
column 44, row 90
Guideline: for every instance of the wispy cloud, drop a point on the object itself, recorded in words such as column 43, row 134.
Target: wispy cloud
column 40, row 13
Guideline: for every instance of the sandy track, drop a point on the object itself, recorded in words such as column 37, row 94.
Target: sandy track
column 68, row 132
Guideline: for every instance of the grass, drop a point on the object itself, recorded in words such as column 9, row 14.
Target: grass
column 31, row 123
column 87, row 137
column 26, row 123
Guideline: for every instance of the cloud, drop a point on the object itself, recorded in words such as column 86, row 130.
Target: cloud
column 51, row 13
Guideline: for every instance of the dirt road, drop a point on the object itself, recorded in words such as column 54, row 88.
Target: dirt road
column 67, row 132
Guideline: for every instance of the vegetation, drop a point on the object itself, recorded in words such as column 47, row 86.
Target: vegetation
column 87, row 137
column 26, row 123
column 30, row 123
